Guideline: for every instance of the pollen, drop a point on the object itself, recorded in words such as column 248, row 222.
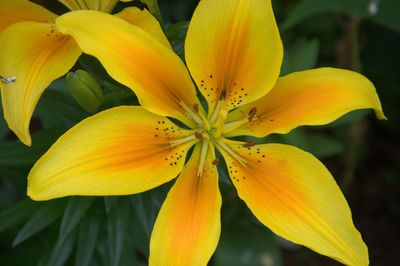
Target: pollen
column 252, row 113
column 198, row 135
column 249, row 144
column 215, row 161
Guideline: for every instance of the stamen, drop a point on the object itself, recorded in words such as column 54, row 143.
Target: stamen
column 249, row 144
column 219, row 125
column 203, row 155
column 231, row 152
column 207, row 125
column 215, row 161
column 9, row 80
column 198, row 135
column 196, row 107
column 228, row 127
column 212, row 151
column 252, row 113
column 214, row 115
column 183, row 140
column 192, row 114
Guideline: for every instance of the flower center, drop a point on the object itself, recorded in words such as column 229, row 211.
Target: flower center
column 210, row 130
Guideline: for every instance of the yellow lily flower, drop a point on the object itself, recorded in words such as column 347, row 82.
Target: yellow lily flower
column 34, row 53
column 234, row 53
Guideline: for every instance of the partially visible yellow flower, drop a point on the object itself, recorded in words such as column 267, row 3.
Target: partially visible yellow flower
column 234, row 52
column 34, row 53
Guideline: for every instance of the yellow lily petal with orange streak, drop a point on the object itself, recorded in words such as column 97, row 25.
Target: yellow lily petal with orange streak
column 311, row 97
column 13, row 11
column 123, row 150
column 292, row 193
column 40, row 56
column 188, row 225
column 228, row 52
column 136, row 59
column 144, row 20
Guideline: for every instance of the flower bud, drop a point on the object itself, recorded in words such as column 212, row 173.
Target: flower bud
column 85, row 89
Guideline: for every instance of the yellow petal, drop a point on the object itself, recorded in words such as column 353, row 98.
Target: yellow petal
column 100, row 5
column 311, row 97
column 35, row 54
column 144, row 20
column 292, row 193
column 124, row 150
column 13, row 11
column 134, row 58
column 187, row 228
column 233, row 46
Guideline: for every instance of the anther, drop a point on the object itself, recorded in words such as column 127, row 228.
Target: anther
column 252, row 113
column 196, row 107
column 9, row 80
column 215, row 161
column 249, row 144
column 198, row 135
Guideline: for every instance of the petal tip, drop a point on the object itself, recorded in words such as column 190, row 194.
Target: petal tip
column 380, row 115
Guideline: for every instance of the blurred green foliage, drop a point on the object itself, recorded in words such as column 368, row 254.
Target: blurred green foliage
column 360, row 34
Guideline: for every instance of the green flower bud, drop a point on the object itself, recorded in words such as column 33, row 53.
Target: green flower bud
column 85, row 89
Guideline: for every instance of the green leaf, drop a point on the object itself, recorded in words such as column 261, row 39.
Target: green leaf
column 299, row 56
column 74, row 212
column 93, row 66
column 87, row 240
column 307, row 8
column 109, row 203
column 176, row 34
column 388, row 14
column 320, row 145
column 117, row 223
column 323, row 146
column 349, row 118
column 147, row 206
column 17, row 213
column 247, row 245
column 387, row 11
column 14, row 153
column 152, row 5
column 57, row 109
column 61, row 252
column 46, row 215
column 3, row 124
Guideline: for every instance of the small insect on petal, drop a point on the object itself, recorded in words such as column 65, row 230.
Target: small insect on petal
column 249, row 144
column 252, row 113
column 9, row 80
